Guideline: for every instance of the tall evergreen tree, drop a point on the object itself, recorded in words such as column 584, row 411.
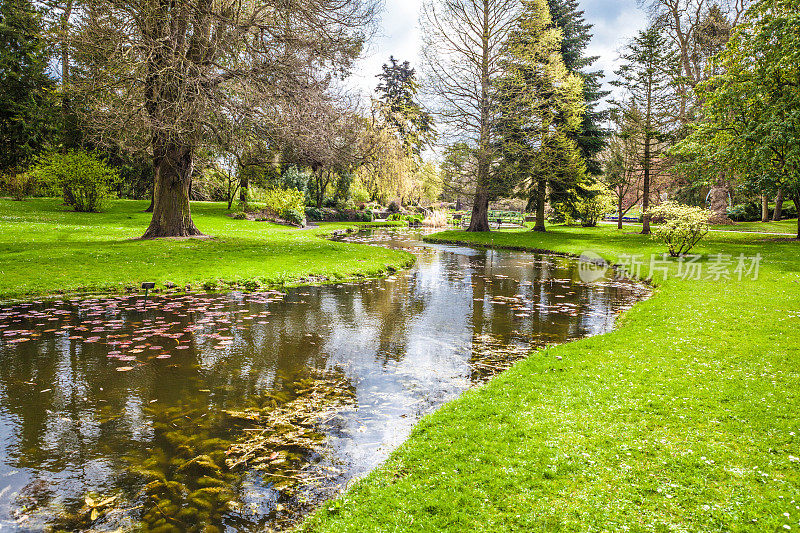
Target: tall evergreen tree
column 649, row 66
column 576, row 35
column 539, row 106
column 25, row 88
column 397, row 92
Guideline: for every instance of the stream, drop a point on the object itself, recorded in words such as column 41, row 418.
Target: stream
column 242, row 411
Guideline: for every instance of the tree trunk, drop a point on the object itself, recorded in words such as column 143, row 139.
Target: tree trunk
column 171, row 214
column 797, row 208
column 619, row 212
column 480, row 206
column 777, row 214
column 646, row 188
column 152, row 199
column 764, row 208
column 480, row 211
column 244, row 184
column 541, row 194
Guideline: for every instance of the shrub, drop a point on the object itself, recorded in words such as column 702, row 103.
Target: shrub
column 394, row 207
column 294, row 216
column 84, row 179
column 591, row 209
column 396, row 216
column 749, row 212
column 285, row 203
column 312, row 213
column 437, row 218
column 18, row 185
column 367, row 216
column 683, row 226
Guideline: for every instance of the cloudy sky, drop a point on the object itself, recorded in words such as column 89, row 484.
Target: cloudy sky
column 614, row 21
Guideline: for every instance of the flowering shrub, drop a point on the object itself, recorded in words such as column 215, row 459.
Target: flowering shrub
column 683, row 226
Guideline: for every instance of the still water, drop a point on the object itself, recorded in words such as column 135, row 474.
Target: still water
column 240, row 411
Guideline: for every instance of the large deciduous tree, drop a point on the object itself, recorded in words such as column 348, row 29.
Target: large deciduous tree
column 179, row 69
column 750, row 124
column 462, row 45
column 696, row 30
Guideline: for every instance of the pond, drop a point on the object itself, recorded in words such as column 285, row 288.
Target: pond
column 239, row 411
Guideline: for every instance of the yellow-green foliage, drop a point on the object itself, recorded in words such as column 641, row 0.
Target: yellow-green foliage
column 683, row 226
column 283, row 202
column 84, row 179
column 592, row 208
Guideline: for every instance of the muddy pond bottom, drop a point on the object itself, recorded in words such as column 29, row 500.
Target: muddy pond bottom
column 242, row 411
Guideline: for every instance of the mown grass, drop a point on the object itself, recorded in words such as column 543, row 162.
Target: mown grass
column 46, row 248
column 685, row 418
column 783, row 226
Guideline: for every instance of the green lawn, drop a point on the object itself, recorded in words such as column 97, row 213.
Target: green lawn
column 784, row 226
column 46, row 248
column 685, row 418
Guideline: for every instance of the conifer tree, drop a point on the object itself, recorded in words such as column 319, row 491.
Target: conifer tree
column 539, row 106
column 25, row 88
column 590, row 136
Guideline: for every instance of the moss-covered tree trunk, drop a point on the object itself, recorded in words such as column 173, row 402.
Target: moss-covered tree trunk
column 172, row 182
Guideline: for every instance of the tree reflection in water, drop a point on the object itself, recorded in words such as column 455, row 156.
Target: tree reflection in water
column 118, row 412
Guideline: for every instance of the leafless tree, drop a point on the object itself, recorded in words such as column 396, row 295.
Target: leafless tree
column 178, row 69
column 462, row 46
column 698, row 29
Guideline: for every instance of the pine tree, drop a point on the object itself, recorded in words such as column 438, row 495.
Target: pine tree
column 539, row 107
column 591, row 136
column 25, row 88
column 397, row 92
column 649, row 65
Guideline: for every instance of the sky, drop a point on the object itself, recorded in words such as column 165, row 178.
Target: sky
column 615, row 21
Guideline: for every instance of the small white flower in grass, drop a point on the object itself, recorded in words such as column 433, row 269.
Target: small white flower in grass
column 794, row 459
column 786, row 515
column 787, row 526
column 706, row 507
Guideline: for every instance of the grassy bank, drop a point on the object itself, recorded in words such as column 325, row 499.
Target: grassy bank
column 685, row 418
column 46, row 248
column 783, row 226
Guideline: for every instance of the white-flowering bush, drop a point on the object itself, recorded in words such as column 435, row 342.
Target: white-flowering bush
column 679, row 226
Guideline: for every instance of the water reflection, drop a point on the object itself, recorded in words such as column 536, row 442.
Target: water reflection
column 121, row 412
